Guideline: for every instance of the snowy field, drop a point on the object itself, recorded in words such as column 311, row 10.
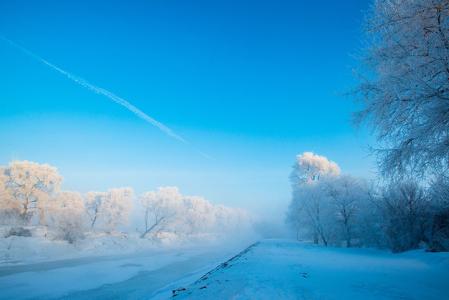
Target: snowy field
column 280, row 269
column 269, row 269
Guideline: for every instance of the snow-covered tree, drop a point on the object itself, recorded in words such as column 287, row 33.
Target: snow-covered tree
column 370, row 225
column 28, row 187
column 405, row 85
column 67, row 214
column 404, row 209
column 117, row 207
column 309, row 209
column 439, row 192
column 200, row 215
column 166, row 210
column 94, row 201
column 9, row 209
column 31, row 190
column 347, row 195
column 69, row 201
column 161, row 208
column 326, row 207
column 316, row 212
column 310, row 167
column 4, row 197
column 109, row 209
column 438, row 234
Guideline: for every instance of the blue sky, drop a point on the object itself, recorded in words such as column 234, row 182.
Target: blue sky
column 250, row 83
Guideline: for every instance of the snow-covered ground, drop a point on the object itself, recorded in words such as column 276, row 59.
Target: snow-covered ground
column 269, row 269
column 281, row 269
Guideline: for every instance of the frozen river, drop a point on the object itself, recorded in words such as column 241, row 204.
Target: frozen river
column 149, row 275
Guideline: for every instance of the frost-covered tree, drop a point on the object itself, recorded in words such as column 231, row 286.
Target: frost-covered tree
column 28, row 189
column 316, row 212
column 9, row 209
column 161, row 208
column 29, row 186
column 310, row 167
column 348, row 195
column 68, row 200
column 438, row 234
column 439, row 191
column 404, row 209
column 94, row 201
column 4, row 195
column 309, row 208
column 166, row 210
column 326, row 206
column 200, row 215
column 342, row 209
column 109, row 209
column 117, row 207
column 67, row 214
column 370, row 225
column 405, row 85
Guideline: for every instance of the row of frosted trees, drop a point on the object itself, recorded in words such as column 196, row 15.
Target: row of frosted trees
column 341, row 210
column 404, row 94
column 31, row 195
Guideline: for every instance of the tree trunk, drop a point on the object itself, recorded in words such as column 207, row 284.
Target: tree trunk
column 315, row 238
column 148, row 231
column 93, row 222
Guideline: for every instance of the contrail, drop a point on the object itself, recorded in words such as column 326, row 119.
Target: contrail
column 104, row 92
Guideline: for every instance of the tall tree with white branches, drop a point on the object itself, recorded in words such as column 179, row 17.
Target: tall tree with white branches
column 405, row 85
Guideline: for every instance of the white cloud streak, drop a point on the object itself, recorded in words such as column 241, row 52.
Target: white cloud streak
column 106, row 93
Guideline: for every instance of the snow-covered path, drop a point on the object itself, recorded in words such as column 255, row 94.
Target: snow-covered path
column 139, row 276
column 281, row 269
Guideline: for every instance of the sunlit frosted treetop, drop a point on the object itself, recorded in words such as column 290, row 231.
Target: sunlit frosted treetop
column 310, row 167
